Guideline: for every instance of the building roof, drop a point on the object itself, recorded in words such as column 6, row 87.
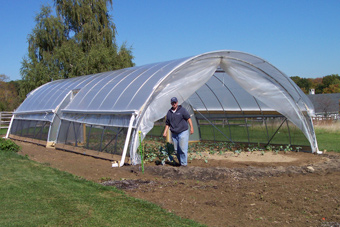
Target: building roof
column 325, row 103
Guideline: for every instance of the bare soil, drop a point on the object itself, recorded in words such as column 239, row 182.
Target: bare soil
column 285, row 189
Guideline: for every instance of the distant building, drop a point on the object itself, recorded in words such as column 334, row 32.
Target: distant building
column 312, row 91
column 326, row 105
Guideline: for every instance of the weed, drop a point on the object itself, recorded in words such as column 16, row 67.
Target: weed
column 8, row 145
column 103, row 179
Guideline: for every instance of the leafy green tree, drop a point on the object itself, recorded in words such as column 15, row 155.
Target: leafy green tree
column 304, row 83
column 8, row 94
column 78, row 40
column 327, row 84
column 330, row 79
column 333, row 88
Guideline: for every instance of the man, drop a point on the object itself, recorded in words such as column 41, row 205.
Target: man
column 177, row 120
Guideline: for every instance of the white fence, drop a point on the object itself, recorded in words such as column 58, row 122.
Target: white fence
column 5, row 119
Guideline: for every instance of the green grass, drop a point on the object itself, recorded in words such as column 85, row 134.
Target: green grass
column 3, row 131
column 328, row 140
column 32, row 194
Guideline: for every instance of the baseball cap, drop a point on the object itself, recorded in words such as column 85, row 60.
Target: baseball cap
column 174, row 99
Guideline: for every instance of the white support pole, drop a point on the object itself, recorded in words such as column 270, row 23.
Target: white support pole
column 9, row 127
column 127, row 140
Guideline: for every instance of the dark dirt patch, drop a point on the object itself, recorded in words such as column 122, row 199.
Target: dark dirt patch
column 303, row 192
column 128, row 184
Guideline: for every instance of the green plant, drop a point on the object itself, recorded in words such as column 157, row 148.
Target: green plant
column 298, row 149
column 288, row 148
column 269, row 147
column 212, row 151
column 149, row 153
column 242, row 146
column 191, row 157
column 103, row 179
column 163, row 153
column 8, row 145
column 252, row 148
column 238, row 151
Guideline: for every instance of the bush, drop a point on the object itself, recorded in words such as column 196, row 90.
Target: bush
column 8, row 145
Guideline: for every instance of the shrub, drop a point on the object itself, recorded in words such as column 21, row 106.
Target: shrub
column 8, row 145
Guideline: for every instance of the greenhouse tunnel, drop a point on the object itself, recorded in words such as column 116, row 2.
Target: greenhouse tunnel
column 226, row 93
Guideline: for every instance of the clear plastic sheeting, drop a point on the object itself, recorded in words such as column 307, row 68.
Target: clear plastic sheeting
column 49, row 96
column 276, row 90
column 121, row 90
column 99, row 119
column 181, row 83
column 218, row 94
column 47, row 116
column 264, row 88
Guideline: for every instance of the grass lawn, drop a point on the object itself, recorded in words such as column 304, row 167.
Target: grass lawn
column 33, row 194
column 3, row 131
column 328, row 140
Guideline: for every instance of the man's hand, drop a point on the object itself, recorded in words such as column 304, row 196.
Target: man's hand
column 191, row 126
column 166, row 130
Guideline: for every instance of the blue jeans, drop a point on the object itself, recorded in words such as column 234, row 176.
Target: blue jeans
column 181, row 141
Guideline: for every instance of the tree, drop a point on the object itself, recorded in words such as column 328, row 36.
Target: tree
column 8, row 94
column 318, row 85
column 330, row 79
column 333, row 88
column 304, row 83
column 327, row 84
column 78, row 40
column 4, row 78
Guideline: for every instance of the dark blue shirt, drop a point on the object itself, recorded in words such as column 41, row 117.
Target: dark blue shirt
column 177, row 120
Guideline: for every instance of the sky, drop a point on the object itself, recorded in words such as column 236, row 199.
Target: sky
column 300, row 38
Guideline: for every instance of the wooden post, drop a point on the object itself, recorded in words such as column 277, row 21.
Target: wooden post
column 84, row 134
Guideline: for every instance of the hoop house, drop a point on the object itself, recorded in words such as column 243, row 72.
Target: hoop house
column 114, row 106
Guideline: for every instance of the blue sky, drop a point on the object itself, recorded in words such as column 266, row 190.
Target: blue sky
column 299, row 37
